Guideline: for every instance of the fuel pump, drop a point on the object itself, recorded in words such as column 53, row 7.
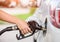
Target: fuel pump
column 34, row 26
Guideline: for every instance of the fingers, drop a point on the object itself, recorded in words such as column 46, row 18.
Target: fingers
column 29, row 30
column 25, row 30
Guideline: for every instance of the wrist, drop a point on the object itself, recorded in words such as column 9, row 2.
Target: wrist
column 18, row 22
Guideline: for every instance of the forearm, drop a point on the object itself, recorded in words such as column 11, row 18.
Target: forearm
column 8, row 18
column 22, row 25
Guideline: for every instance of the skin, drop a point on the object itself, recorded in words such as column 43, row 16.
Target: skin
column 22, row 25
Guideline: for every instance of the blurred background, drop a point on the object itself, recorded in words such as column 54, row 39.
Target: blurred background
column 19, row 3
column 19, row 8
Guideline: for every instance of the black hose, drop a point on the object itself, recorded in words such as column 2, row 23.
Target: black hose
column 7, row 29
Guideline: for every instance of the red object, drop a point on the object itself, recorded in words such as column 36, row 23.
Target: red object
column 55, row 18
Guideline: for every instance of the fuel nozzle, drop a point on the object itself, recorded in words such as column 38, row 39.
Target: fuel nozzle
column 35, row 27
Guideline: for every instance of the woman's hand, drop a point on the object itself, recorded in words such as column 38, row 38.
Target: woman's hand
column 23, row 26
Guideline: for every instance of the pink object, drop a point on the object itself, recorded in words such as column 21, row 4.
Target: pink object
column 55, row 17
